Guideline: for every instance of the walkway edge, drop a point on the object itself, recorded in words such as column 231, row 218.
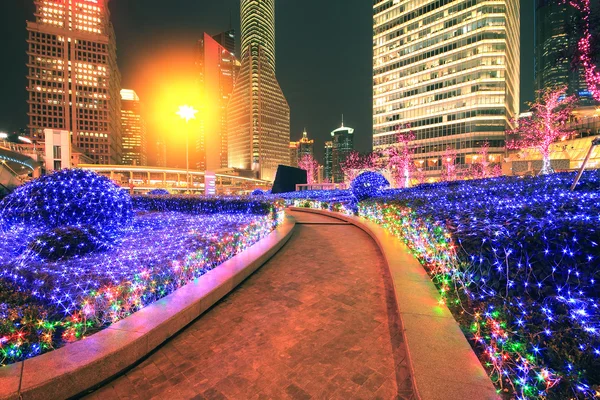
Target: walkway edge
column 77, row 367
column 443, row 364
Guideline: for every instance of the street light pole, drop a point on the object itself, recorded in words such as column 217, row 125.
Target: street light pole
column 187, row 112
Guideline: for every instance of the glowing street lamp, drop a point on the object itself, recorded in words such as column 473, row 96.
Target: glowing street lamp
column 187, row 112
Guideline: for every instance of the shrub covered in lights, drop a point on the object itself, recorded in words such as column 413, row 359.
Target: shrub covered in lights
column 65, row 295
column 368, row 184
column 57, row 205
column 518, row 262
column 159, row 192
column 258, row 192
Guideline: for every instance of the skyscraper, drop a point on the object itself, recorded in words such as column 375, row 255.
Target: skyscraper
column 450, row 71
column 258, row 113
column 294, row 154
column 134, row 129
column 217, row 68
column 342, row 140
column 328, row 162
column 74, row 82
column 161, row 152
column 305, row 146
column 226, row 40
column 556, row 36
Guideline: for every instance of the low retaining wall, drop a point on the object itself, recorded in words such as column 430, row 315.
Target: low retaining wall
column 79, row 366
column 443, row 364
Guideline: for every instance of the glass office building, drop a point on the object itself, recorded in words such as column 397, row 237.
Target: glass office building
column 448, row 70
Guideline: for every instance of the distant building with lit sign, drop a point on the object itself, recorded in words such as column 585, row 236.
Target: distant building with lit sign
column 74, row 81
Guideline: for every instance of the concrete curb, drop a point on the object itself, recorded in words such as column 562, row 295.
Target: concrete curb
column 79, row 366
column 443, row 364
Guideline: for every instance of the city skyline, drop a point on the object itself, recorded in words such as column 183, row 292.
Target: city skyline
column 143, row 35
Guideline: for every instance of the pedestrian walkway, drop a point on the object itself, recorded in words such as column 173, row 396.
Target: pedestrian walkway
column 318, row 321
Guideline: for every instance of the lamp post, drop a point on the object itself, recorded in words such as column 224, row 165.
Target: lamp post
column 187, row 112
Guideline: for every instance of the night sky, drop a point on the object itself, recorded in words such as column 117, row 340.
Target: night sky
column 324, row 57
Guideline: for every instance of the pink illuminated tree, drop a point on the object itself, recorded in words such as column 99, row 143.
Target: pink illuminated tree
column 449, row 170
column 483, row 168
column 547, row 123
column 310, row 165
column 356, row 163
column 400, row 163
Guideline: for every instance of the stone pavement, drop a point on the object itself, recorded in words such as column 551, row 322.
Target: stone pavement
column 319, row 320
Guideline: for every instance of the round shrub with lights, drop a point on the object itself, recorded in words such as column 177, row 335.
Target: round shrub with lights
column 72, row 201
column 159, row 192
column 368, row 184
column 258, row 192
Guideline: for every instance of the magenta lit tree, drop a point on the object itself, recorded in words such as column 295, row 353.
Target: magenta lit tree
column 310, row 165
column 547, row 123
column 449, row 170
column 483, row 168
column 585, row 58
column 355, row 163
column 400, row 162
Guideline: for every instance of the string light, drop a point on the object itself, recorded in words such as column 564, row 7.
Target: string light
column 169, row 241
column 517, row 261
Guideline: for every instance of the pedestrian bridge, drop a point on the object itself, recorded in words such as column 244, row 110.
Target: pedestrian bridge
column 141, row 179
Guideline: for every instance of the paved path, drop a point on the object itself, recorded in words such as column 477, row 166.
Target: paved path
column 317, row 321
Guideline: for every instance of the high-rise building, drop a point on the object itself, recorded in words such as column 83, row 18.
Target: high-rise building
column 450, row 71
column 342, row 140
column 217, row 68
column 328, row 162
column 161, row 152
column 294, row 154
column 133, row 129
column 258, row 113
column 305, row 146
column 226, row 40
column 557, row 34
column 74, row 81
column 301, row 148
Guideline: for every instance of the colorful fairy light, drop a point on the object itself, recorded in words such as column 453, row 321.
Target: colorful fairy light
column 368, row 184
column 517, row 261
column 171, row 240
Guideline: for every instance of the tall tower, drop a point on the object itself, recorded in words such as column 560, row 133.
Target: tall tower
column 258, row 113
column 449, row 70
column 74, row 82
column 217, row 69
column 134, row 129
column 556, row 38
column 342, row 140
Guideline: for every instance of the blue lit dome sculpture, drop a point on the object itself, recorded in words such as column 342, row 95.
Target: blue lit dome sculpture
column 368, row 184
column 258, row 192
column 68, row 201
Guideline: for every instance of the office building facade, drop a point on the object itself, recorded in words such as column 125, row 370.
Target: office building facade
column 74, row 82
column 447, row 70
column 342, row 144
column 258, row 112
column 557, row 34
column 226, row 40
column 133, row 129
column 217, row 70
column 294, row 154
column 328, row 162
